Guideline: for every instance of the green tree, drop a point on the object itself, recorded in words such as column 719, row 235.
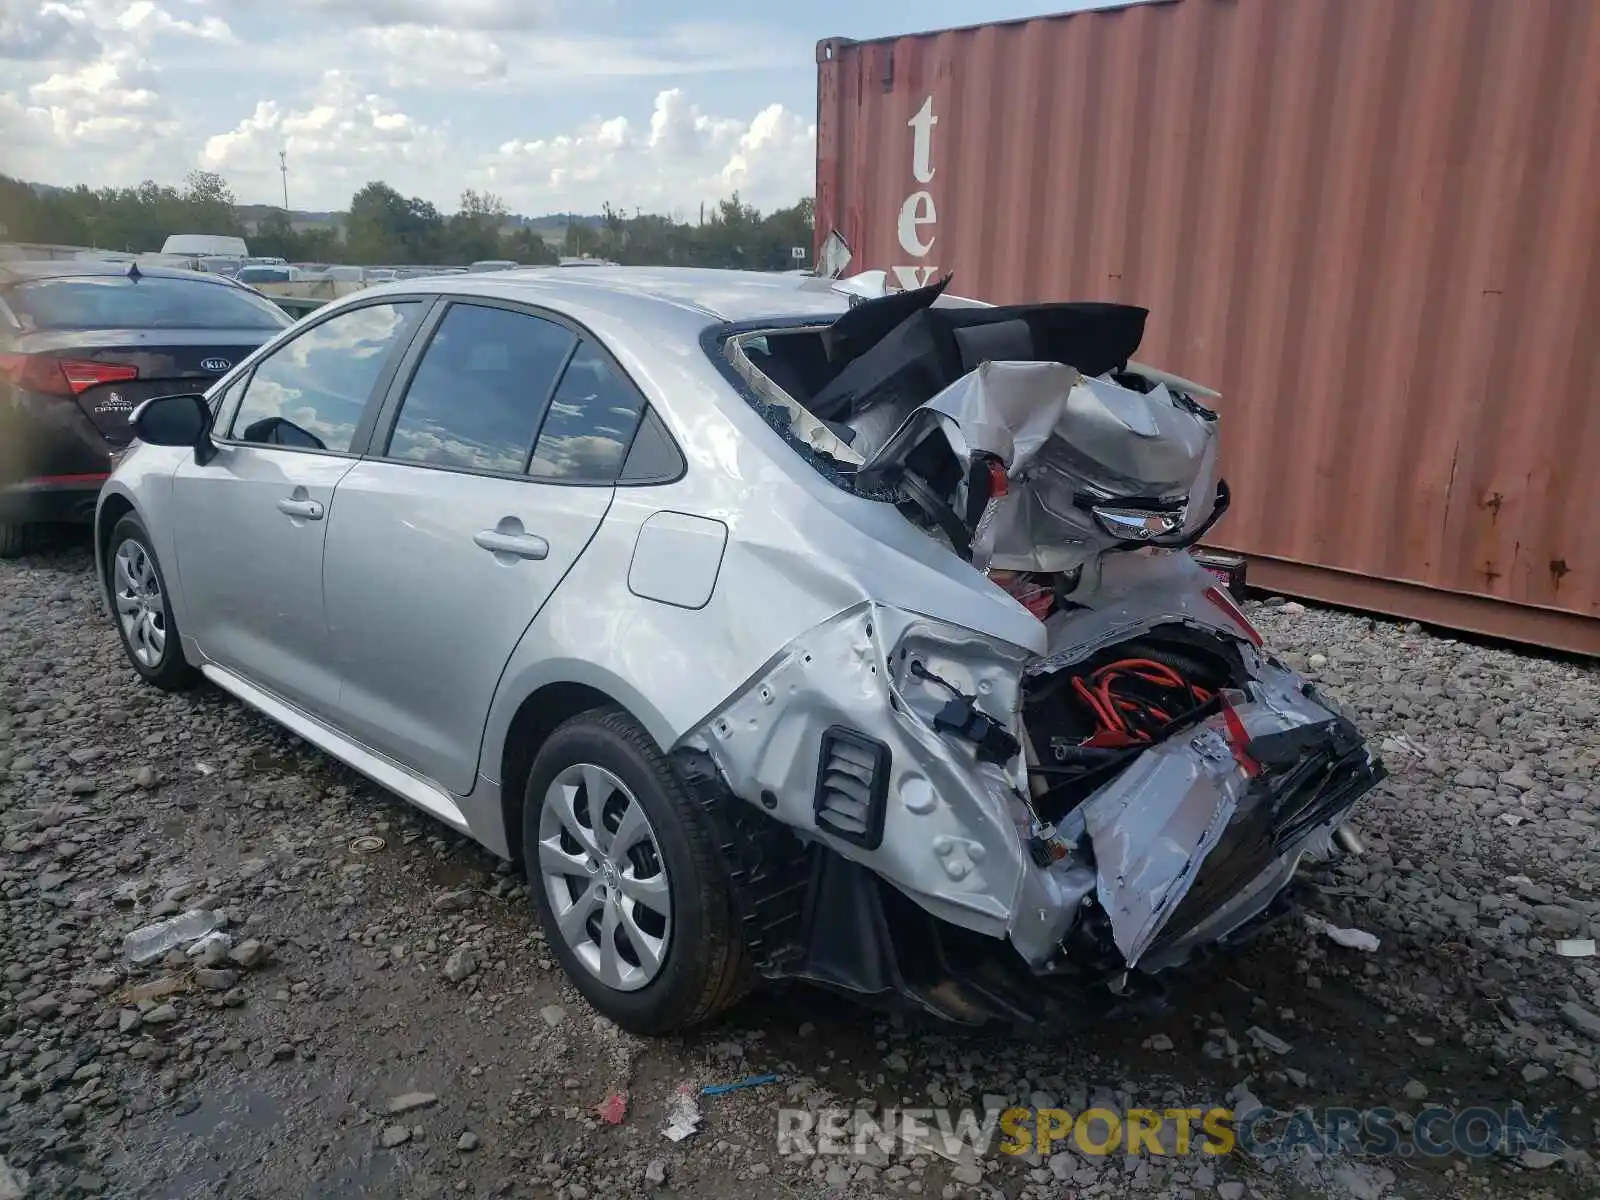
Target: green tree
column 473, row 233
column 208, row 204
column 385, row 227
column 318, row 245
column 379, row 217
column 423, row 236
column 528, row 248
column 274, row 236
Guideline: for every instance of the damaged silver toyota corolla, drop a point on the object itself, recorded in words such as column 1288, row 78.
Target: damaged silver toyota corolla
column 783, row 629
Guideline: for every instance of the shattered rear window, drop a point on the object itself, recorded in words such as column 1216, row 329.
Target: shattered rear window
column 715, row 343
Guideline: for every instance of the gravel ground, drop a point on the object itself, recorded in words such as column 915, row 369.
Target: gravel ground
column 389, row 1023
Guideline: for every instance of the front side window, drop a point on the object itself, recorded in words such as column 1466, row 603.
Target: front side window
column 590, row 424
column 479, row 390
column 310, row 392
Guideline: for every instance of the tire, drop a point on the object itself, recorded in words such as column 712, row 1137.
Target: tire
column 15, row 540
column 703, row 966
column 148, row 634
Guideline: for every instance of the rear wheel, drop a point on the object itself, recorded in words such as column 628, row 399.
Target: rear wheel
column 143, row 610
column 15, row 540
column 626, row 880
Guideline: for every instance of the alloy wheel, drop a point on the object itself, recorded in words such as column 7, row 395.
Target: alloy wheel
column 141, row 608
column 603, row 873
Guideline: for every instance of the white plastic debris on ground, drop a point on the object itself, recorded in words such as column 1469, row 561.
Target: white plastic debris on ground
column 683, row 1115
column 1576, row 948
column 150, row 942
column 1351, row 939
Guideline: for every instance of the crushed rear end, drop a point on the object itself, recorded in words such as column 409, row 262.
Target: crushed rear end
column 915, row 811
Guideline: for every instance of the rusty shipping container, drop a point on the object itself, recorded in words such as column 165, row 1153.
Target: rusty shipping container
column 1374, row 225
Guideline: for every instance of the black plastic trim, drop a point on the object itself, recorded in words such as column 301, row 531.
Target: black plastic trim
column 877, row 792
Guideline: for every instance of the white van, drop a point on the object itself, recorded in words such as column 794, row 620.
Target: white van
column 199, row 245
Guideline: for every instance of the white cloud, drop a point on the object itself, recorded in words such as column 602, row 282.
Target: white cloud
column 409, row 56
column 70, row 30
column 340, row 139
column 678, row 158
column 463, row 14
column 45, row 32
column 144, row 17
column 108, row 117
column 430, row 96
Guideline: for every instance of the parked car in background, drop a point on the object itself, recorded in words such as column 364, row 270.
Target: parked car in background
column 779, row 628
column 179, row 262
column 493, row 264
column 269, row 274
column 381, row 274
column 82, row 343
column 200, row 245
column 345, row 274
column 218, row 264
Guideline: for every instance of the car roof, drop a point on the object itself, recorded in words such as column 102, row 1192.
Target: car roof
column 24, row 272
column 715, row 296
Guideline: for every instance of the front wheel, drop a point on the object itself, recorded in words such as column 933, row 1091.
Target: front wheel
column 626, row 880
column 143, row 610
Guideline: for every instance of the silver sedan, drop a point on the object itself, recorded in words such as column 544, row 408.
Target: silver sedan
column 760, row 618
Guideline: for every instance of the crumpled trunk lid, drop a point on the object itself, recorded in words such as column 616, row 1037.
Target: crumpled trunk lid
column 1078, row 464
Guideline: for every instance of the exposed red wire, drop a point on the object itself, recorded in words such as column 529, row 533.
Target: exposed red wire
column 1101, row 697
column 1107, row 718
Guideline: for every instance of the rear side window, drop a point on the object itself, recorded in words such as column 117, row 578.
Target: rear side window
column 479, row 390
column 310, row 392
column 150, row 302
column 591, row 422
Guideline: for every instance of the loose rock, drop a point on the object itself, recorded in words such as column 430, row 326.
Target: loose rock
column 411, row 1101
column 461, row 963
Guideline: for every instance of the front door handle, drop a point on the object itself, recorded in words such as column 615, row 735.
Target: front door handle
column 308, row 509
column 520, row 545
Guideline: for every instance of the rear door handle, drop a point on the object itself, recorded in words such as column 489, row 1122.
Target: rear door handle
column 522, row 545
column 309, row 509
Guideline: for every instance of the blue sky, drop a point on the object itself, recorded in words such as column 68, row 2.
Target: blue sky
column 553, row 104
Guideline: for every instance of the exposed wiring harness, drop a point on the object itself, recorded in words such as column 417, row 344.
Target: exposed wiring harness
column 1133, row 699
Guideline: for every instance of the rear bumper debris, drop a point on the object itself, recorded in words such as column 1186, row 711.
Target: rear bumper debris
column 906, row 868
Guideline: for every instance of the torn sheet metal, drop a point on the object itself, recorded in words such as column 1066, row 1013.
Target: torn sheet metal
column 1153, row 827
column 1069, row 443
column 952, row 835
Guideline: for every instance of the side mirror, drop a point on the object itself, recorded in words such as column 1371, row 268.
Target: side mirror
column 183, row 420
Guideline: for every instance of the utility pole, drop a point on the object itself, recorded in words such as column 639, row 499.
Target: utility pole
column 283, row 169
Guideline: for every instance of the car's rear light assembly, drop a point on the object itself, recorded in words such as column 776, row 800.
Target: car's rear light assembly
column 61, row 376
column 1234, row 613
column 852, row 787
